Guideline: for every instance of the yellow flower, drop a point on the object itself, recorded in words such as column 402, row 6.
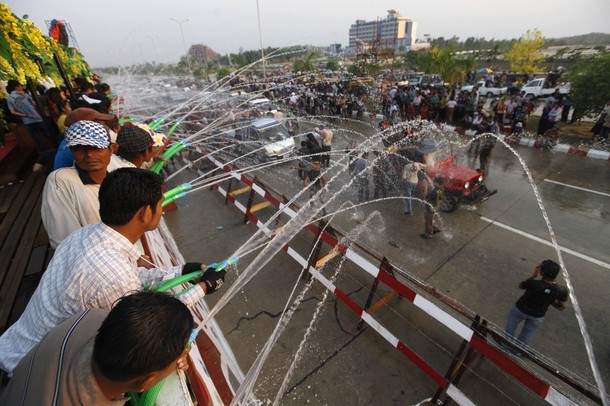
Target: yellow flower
column 26, row 43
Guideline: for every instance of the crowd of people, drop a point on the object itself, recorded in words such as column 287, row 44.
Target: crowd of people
column 99, row 203
column 100, row 199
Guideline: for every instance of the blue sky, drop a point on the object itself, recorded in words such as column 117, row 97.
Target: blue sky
column 123, row 32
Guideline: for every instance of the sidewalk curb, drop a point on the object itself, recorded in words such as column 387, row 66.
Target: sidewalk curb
column 565, row 148
column 533, row 142
column 568, row 149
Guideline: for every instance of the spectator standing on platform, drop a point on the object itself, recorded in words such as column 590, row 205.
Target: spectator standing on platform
column 81, row 361
column 63, row 110
column 136, row 146
column 99, row 263
column 64, row 157
column 70, row 195
column 21, row 105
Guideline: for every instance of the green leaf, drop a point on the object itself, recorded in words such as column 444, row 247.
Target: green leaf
column 5, row 50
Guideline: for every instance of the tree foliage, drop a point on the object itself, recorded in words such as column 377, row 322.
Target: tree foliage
column 591, row 39
column 26, row 54
column 524, row 55
column 364, row 68
column 442, row 61
column 306, row 64
column 223, row 72
column 333, row 65
column 246, row 57
column 589, row 84
column 473, row 44
column 358, row 69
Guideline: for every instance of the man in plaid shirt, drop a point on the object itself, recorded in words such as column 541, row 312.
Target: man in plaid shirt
column 97, row 264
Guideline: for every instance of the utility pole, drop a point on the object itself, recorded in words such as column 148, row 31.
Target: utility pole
column 188, row 62
column 260, row 36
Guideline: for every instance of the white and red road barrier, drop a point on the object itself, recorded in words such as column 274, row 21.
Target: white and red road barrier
column 474, row 340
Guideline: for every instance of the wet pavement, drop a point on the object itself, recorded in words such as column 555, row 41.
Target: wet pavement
column 474, row 261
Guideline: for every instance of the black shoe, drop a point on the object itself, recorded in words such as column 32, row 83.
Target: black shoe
column 425, row 236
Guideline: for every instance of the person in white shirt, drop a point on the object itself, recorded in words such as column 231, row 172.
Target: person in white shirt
column 451, row 105
column 98, row 264
column 69, row 198
column 136, row 147
column 411, row 178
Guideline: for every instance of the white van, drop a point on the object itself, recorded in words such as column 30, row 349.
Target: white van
column 262, row 104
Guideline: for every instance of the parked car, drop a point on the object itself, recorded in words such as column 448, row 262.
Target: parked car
column 462, row 185
column 486, row 91
column 429, row 80
column 536, row 88
column 267, row 136
column 262, row 104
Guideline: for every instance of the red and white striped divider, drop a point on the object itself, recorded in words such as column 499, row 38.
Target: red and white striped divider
column 528, row 379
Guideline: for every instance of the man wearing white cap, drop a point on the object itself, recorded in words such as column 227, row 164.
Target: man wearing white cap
column 70, row 196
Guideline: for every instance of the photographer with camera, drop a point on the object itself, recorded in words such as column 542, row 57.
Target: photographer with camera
column 539, row 295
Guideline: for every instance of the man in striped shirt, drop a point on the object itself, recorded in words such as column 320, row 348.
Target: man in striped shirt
column 97, row 264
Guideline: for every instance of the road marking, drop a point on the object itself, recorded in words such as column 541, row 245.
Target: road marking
column 548, row 243
column 578, row 187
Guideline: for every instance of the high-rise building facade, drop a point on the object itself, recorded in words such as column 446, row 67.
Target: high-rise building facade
column 394, row 32
column 202, row 54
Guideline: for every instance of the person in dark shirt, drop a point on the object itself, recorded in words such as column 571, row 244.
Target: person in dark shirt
column 315, row 181
column 434, row 198
column 304, row 159
column 539, row 295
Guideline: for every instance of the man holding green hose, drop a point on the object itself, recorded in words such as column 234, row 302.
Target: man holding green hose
column 95, row 357
column 97, row 264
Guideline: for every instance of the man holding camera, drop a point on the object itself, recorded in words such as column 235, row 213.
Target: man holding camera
column 539, row 295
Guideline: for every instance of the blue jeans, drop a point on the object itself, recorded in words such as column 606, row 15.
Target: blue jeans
column 531, row 324
column 409, row 199
column 38, row 134
column 362, row 183
column 603, row 135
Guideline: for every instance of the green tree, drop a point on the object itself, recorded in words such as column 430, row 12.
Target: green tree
column 589, row 84
column 442, row 61
column 222, row 72
column 333, row 65
column 358, row 69
column 307, row 64
column 524, row 55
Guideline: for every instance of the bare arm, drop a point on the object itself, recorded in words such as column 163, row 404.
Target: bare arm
column 534, row 276
column 559, row 305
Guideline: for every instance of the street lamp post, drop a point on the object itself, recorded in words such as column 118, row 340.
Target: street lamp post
column 188, row 63
column 260, row 37
column 154, row 45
